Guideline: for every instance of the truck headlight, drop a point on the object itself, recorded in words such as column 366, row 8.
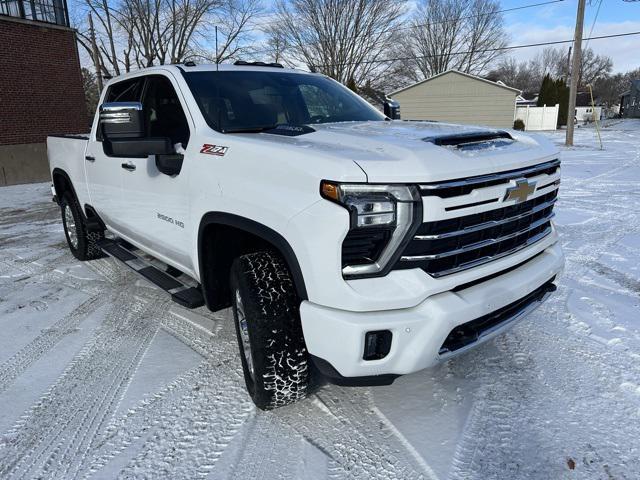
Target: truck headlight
column 383, row 218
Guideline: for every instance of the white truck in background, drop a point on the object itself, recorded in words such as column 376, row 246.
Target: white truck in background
column 371, row 247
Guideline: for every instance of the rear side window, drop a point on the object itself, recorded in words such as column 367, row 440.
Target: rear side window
column 126, row 91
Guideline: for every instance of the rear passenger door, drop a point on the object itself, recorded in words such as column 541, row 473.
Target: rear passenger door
column 157, row 205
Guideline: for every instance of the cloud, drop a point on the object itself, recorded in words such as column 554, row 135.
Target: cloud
column 623, row 50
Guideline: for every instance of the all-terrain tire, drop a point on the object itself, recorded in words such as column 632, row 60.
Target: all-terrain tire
column 263, row 293
column 82, row 243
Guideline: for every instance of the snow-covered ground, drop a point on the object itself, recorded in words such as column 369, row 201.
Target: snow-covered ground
column 102, row 377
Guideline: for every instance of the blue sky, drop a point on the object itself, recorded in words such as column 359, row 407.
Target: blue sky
column 557, row 21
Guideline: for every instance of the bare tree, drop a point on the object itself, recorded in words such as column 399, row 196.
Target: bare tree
column 528, row 75
column 276, row 43
column 142, row 33
column 465, row 35
column 234, row 19
column 610, row 88
column 594, row 67
column 344, row 39
column 521, row 75
column 106, row 34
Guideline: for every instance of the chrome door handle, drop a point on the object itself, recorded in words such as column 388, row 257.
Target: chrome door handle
column 128, row 166
column 89, row 158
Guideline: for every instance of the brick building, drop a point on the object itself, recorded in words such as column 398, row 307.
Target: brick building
column 41, row 89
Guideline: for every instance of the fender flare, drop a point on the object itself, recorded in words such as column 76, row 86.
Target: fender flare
column 259, row 230
column 59, row 172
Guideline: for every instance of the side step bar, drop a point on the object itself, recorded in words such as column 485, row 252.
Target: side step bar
column 188, row 297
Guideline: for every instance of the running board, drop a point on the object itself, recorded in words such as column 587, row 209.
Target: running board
column 188, row 297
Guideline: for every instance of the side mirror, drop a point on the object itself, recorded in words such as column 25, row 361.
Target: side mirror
column 392, row 109
column 123, row 132
column 121, row 120
column 169, row 164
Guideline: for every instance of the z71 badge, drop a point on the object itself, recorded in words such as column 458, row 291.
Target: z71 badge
column 214, row 149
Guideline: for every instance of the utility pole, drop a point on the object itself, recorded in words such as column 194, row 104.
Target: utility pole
column 96, row 56
column 575, row 72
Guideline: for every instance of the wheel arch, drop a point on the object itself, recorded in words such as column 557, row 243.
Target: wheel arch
column 215, row 264
column 62, row 183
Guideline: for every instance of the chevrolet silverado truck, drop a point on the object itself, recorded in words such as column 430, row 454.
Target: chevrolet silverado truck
column 364, row 246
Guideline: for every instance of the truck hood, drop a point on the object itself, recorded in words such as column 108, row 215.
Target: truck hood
column 410, row 151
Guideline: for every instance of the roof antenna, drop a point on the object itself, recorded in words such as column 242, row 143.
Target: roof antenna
column 217, row 48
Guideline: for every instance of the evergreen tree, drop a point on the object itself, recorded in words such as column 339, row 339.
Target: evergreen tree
column 563, row 100
column 554, row 92
column 547, row 92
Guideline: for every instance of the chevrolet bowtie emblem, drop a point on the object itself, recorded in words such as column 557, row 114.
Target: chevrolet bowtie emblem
column 521, row 191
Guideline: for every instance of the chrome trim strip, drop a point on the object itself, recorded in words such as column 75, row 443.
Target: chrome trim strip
column 482, row 226
column 117, row 106
column 483, row 260
column 475, row 246
column 497, row 329
column 487, row 178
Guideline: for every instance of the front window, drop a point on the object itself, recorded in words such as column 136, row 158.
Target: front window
column 233, row 101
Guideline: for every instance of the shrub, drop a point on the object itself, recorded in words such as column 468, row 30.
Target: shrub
column 518, row 124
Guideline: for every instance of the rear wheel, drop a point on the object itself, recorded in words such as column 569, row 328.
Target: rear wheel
column 267, row 318
column 82, row 243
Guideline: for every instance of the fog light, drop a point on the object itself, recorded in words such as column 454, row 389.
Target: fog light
column 377, row 344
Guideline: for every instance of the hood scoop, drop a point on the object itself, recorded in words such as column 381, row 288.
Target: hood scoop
column 472, row 140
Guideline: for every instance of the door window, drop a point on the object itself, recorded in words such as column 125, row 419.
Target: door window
column 164, row 116
column 126, row 91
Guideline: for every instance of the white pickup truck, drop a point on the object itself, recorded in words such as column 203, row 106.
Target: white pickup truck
column 366, row 246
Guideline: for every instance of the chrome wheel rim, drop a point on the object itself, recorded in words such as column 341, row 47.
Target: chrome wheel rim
column 244, row 332
column 70, row 226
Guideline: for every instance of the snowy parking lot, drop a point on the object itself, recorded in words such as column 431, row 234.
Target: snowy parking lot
column 102, row 377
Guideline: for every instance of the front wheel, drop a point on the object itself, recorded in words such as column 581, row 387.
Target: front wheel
column 266, row 311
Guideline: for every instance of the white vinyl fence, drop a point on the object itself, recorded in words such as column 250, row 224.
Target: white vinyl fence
column 538, row 118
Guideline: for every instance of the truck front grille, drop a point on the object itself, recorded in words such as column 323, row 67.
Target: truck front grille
column 447, row 246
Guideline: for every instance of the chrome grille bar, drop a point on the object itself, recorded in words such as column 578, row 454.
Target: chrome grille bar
column 493, row 177
column 474, row 246
column 482, row 226
column 483, row 260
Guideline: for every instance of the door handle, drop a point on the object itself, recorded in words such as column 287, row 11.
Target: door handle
column 89, row 158
column 128, row 166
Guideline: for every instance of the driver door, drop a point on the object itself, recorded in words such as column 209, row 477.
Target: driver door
column 156, row 213
column 104, row 173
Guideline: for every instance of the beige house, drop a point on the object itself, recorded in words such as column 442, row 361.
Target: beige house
column 458, row 97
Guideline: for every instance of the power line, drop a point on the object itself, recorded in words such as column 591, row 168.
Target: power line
column 594, row 23
column 497, row 49
column 420, row 25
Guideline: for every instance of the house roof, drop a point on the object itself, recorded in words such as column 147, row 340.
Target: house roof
column 480, row 79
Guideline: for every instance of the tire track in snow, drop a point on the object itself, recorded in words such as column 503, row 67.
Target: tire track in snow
column 183, row 430
column 43, row 343
column 270, row 450
column 357, row 442
column 54, row 436
column 539, row 365
column 193, row 432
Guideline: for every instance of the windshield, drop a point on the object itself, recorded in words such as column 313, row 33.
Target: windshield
column 245, row 101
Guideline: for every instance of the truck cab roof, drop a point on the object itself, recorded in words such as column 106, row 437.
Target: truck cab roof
column 210, row 67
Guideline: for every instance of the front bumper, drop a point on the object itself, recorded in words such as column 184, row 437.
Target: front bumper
column 337, row 336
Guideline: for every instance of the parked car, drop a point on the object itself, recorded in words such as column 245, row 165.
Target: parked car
column 368, row 246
